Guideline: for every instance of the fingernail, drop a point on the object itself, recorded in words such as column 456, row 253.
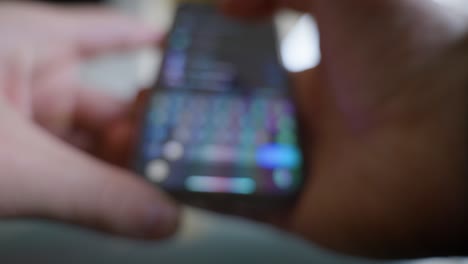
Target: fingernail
column 163, row 221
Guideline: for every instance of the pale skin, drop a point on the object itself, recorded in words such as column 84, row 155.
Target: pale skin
column 51, row 121
column 386, row 112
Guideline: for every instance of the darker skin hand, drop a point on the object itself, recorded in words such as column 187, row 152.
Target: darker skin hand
column 387, row 111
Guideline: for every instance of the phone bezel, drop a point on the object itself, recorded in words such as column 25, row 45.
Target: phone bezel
column 223, row 202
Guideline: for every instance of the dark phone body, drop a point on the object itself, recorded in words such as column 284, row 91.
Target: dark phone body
column 221, row 130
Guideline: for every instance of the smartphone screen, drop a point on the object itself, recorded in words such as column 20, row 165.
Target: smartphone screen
column 221, row 120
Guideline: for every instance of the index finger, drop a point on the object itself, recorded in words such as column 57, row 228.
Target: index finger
column 96, row 30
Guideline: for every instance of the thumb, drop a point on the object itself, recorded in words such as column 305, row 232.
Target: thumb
column 42, row 177
column 310, row 96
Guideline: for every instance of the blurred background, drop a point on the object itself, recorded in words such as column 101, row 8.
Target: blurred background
column 205, row 237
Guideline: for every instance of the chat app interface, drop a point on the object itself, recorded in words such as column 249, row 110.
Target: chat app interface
column 221, row 120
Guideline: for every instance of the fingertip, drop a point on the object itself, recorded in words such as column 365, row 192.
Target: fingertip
column 163, row 222
column 104, row 30
column 115, row 39
column 135, row 33
column 155, row 216
column 131, row 207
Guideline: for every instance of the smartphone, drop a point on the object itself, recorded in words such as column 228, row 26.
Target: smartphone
column 220, row 129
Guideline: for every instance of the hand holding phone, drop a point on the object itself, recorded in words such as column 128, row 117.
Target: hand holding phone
column 387, row 106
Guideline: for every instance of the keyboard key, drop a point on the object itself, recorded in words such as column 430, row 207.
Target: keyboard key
column 278, row 156
column 183, row 134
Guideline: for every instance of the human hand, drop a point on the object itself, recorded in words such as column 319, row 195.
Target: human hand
column 40, row 95
column 387, row 111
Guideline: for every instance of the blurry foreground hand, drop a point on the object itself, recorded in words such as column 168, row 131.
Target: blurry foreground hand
column 40, row 95
column 387, row 110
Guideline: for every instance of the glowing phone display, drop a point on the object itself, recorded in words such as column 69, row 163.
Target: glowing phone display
column 221, row 119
